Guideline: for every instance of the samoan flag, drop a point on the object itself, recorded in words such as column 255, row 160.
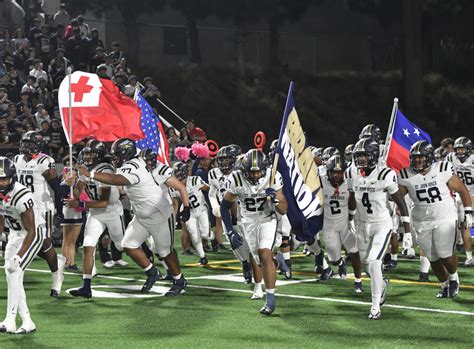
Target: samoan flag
column 404, row 135
column 152, row 127
column 301, row 183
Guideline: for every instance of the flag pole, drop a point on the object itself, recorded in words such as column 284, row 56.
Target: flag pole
column 67, row 70
column 388, row 139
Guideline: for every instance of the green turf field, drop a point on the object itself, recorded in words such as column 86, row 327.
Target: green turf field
column 216, row 311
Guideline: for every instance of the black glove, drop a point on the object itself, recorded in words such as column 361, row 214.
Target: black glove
column 185, row 214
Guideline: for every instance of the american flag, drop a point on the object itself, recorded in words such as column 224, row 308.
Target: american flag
column 155, row 137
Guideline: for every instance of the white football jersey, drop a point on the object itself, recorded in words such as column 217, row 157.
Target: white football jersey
column 430, row 194
column 322, row 170
column 147, row 198
column 371, row 192
column 336, row 201
column 218, row 184
column 114, row 206
column 464, row 170
column 17, row 201
column 252, row 200
column 161, row 173
column 30, row 174
column 197, row 201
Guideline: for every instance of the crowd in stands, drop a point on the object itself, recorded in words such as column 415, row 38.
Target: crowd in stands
column 33, row 64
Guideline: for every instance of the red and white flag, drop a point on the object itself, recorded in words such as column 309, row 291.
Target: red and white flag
column 99, row 110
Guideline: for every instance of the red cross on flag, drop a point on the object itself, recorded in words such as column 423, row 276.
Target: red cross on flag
column 99, row 110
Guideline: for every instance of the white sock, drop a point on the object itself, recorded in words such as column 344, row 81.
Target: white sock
column 394, row 256
column 86, row 276
column 197, row 243
column 177, row 277
column 376, row 282
column 149, row 267
column 454, row 276
column 468, row 254
column 424, row 264
column 357, row 280
column 22, row 305
column 270, row 290
column 14, row 291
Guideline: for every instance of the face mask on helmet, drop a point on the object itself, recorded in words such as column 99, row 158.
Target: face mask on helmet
column 336, row 177
column 363, row 160
column 89, row 158
column 419, row 163
column 180, row 171
column 254, row 176
column 7, row 176
column 461, row 153
column 226, row 164
column 29, row 148
column 117, row 160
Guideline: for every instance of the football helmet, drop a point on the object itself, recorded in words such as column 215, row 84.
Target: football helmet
column 328, row 152
column 440, row 153
column 421, row 156
column 7, row 171
column 149, row 156
column 254, row 166
column 123, row 149
column 93, row 153
column 317, row 152
column 366, row 153
column 463, row 148
column 371, row 131
column 181, row 170
column 31, row 143
column 335, row 170
column 227, row 157
column 348, row 152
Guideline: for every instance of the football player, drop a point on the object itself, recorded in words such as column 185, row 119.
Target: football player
column 198, row 223
column 371, row 131
column 429, row 185
column 336, row 232
column 462, row 160
column 218, row 181
column 153, row 213
column 348, row 154
column 24, row 242
column 369, row 184
column 37, row 172
column 258, row 199
column 105, row 210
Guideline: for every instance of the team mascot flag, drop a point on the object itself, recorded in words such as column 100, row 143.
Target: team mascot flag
column 98, row 109
column 301, row 184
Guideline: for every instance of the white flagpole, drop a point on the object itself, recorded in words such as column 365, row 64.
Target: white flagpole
column 388, row 139
column 68, row 72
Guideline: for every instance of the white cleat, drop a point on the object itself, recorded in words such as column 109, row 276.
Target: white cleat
column 374, row 314
column 8, row 326
column 109, row 264
column 257, row 294
column 469, row 263
column 121, row 263
column 26, row 328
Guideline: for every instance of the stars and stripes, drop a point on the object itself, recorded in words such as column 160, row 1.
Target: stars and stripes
column 150, row 123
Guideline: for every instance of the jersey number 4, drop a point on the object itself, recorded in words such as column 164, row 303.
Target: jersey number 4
column 27, row 181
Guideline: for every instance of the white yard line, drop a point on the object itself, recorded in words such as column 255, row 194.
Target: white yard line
column 322, row 299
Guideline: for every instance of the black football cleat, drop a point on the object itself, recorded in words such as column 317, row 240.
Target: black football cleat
column 443, row 292
column 390, row 265
column 342, row 269
column 153, row 277
column 326, row 274
column 167, row 277
column 81, row 292
column 203, row 261
column 424, row 277
column 54, row 294
column 453, row 289
column 177, row 288
column 358, row 287
column 266, row 310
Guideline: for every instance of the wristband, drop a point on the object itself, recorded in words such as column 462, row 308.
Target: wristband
column 91, row 174
column 352, row 212
column 405, row 219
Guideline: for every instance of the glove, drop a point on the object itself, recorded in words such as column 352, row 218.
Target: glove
column 216, row 211
column 468, row 218
column 271, row 195
column 407, row 241
column 13, row 264
column 351, row 227
column 234, row 239
column 185, row 214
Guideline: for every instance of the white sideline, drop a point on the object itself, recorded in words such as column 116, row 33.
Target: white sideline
column 324, row 299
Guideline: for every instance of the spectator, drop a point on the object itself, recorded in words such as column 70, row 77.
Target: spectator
column 173, row 142
column 26, row 118
column 75, row 48
column 44, row 95
column 97, row 59
column 84, row 28
column 61, row 17
column 25, row 101
column 35, row 30
column 56, row 67
column 43, row 45
column 151, row 92
column 21, row 41
column 57, row 39
column 124, row 66
column 17, row 133
column 130, row 88
column 4, row 101
column 58, row 142
column 38, row 71
column 29, row 60
column 7, row 44
column 102, row 72
column 184, row 138
column 41, row 114
column 448, row 144
column 94, row 42
column 12, row 111
column 195, row 134
column 46, row 133
column 5, row 137
column 110, row 70
column 120, row 80
column 116, row 54
column 16, row 83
